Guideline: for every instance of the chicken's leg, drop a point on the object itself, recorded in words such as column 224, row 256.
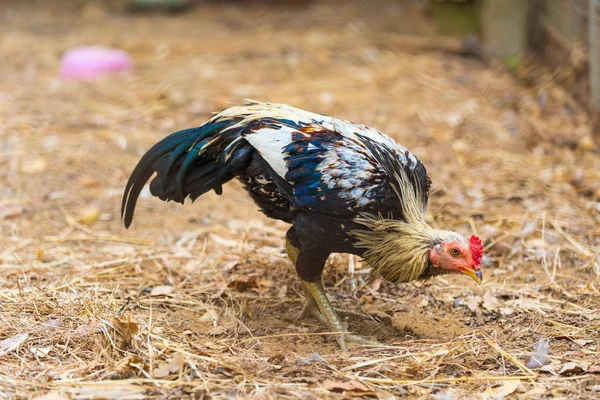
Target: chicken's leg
column 311, row 309
column 318, row 305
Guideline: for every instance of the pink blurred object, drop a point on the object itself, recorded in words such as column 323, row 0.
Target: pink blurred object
column 91, row 62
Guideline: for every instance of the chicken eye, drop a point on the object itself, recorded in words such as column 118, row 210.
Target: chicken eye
column 454, row 252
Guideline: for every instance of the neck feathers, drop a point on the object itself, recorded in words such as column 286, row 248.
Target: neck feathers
column 398, row 250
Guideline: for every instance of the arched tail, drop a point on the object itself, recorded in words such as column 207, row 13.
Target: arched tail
column 188, row 163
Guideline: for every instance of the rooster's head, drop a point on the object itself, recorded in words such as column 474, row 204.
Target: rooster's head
column 456, row 256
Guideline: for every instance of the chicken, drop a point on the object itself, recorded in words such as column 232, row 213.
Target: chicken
column 344, row 187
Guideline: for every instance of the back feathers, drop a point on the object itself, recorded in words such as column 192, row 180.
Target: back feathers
column 319, row 163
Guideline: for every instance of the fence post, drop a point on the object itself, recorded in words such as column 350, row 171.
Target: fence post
column 505, row 28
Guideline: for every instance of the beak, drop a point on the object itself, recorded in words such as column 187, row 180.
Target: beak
column 477, row 276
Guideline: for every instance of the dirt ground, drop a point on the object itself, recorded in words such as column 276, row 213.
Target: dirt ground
column 200, row 300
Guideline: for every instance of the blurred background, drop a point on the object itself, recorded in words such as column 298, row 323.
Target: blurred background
column 498, row 98
column 560, row 35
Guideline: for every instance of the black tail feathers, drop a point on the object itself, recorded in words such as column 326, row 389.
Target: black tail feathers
column 188, row 163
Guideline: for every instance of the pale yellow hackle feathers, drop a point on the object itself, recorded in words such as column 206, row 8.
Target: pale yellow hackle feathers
column 398, row 250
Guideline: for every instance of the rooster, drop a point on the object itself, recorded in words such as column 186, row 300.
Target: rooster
column 344, row 187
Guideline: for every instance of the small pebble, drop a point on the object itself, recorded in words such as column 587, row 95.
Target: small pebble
column 530, row 278
column 314, row 357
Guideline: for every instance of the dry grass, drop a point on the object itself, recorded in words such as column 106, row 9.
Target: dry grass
column 200, row 300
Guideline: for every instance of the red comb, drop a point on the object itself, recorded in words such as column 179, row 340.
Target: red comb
column 476, row 249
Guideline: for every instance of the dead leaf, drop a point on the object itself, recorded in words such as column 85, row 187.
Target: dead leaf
column 582, row 342
column 40, row 352
column 549, row 368
column 375, row 283
column 127, row 326
column 230, row 265
column 506, row 388
column 490, row 301
column 12, row 343
column 209, row 317
column 473, row 303
column 125, row 329
column 594, row 369
column 507, row 311
column 168, row 367
column 241, row 283
column 126, row 364
column 161, row 290
column 349, row 386
column 423, row 303
column 53, row 323
column 573, row 368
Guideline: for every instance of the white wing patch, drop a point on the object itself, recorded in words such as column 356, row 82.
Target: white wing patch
column 270, row 143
